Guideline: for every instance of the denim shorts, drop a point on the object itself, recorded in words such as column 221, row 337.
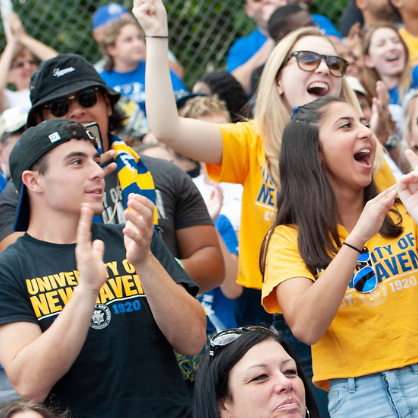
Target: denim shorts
column 389, row 394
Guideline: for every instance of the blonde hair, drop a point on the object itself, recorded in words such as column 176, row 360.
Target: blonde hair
column 370, row 76
column 109, row 37
column 271, row 113
column 204, row 105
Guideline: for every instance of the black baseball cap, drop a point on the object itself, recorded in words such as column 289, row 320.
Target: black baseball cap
column 34, row 143
column 60, row 76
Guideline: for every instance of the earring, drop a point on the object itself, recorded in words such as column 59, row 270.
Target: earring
column 307, row 412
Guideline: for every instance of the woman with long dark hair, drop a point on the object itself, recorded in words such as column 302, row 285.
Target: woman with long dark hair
column 250, row 372
column 342, row 263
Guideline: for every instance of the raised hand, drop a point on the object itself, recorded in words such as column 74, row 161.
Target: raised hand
column 380, row 121
column 215, row 201
column 408, row 186
column 15, row 25
column 89, row 255
column 152, row 16
column 371, row 219
column 139, row 228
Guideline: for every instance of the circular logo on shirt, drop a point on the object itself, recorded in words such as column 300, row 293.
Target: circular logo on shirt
column 375, row 298
column 101, row 316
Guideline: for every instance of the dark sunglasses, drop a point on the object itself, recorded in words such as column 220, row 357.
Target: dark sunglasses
column 61, row 106
column 310, row 61
column 365, row 280
column 223, row 338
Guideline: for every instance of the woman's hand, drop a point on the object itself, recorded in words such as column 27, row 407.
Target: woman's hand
column 15, row 24
column 408, row 186
column 380, row 121
column 215, row 201
column 371, row 219
column 152, row 16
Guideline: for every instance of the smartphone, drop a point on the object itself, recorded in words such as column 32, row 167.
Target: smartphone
column 93, row 127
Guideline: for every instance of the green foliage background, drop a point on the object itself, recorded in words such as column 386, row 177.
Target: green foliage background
column 201, row 31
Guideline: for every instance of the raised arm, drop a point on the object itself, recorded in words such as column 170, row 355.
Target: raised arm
column 5, row 64
column 35, row 361
column 310, row 307
column 196, row 139
column 174, row 309
column 39, row 49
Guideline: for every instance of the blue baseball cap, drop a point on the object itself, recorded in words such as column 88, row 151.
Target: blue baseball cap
column 107, row 13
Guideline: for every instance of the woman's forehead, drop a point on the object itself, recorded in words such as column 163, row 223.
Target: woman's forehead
column 316, row 44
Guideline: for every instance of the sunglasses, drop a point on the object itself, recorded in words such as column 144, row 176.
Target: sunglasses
column 223, row 338
column 85, row 98
column 365, row 280
column 310, row 61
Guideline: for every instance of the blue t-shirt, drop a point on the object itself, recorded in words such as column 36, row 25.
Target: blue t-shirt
column 3, row 182
column 226, row 231
column 132, row 84
column 220, row 309
column 394, row 91
column 244, row 48
column 326, row 25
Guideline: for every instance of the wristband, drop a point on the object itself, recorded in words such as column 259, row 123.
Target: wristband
column 352, row 246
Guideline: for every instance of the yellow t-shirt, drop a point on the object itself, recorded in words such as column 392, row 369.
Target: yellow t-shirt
column 412, row 44
column 244, row 162
column 371, row 332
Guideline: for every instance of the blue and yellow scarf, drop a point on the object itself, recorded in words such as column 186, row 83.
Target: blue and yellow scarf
column 133, row 174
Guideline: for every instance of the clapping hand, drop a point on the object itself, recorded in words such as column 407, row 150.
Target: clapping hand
column 373, row 215
column 408, row 186
column 89, row 255
column 139, row 228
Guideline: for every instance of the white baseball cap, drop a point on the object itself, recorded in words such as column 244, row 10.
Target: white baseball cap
column 12, row 120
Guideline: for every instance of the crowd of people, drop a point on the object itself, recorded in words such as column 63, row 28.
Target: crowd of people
column 243, row 247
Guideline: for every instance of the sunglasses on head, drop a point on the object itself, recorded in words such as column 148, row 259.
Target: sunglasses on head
column 223, row 338
column 85, row 98
column 310, row 61
column 365, row 280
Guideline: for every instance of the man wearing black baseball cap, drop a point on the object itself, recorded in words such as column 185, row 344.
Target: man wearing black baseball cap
column 68, row 86
column 89, row 314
